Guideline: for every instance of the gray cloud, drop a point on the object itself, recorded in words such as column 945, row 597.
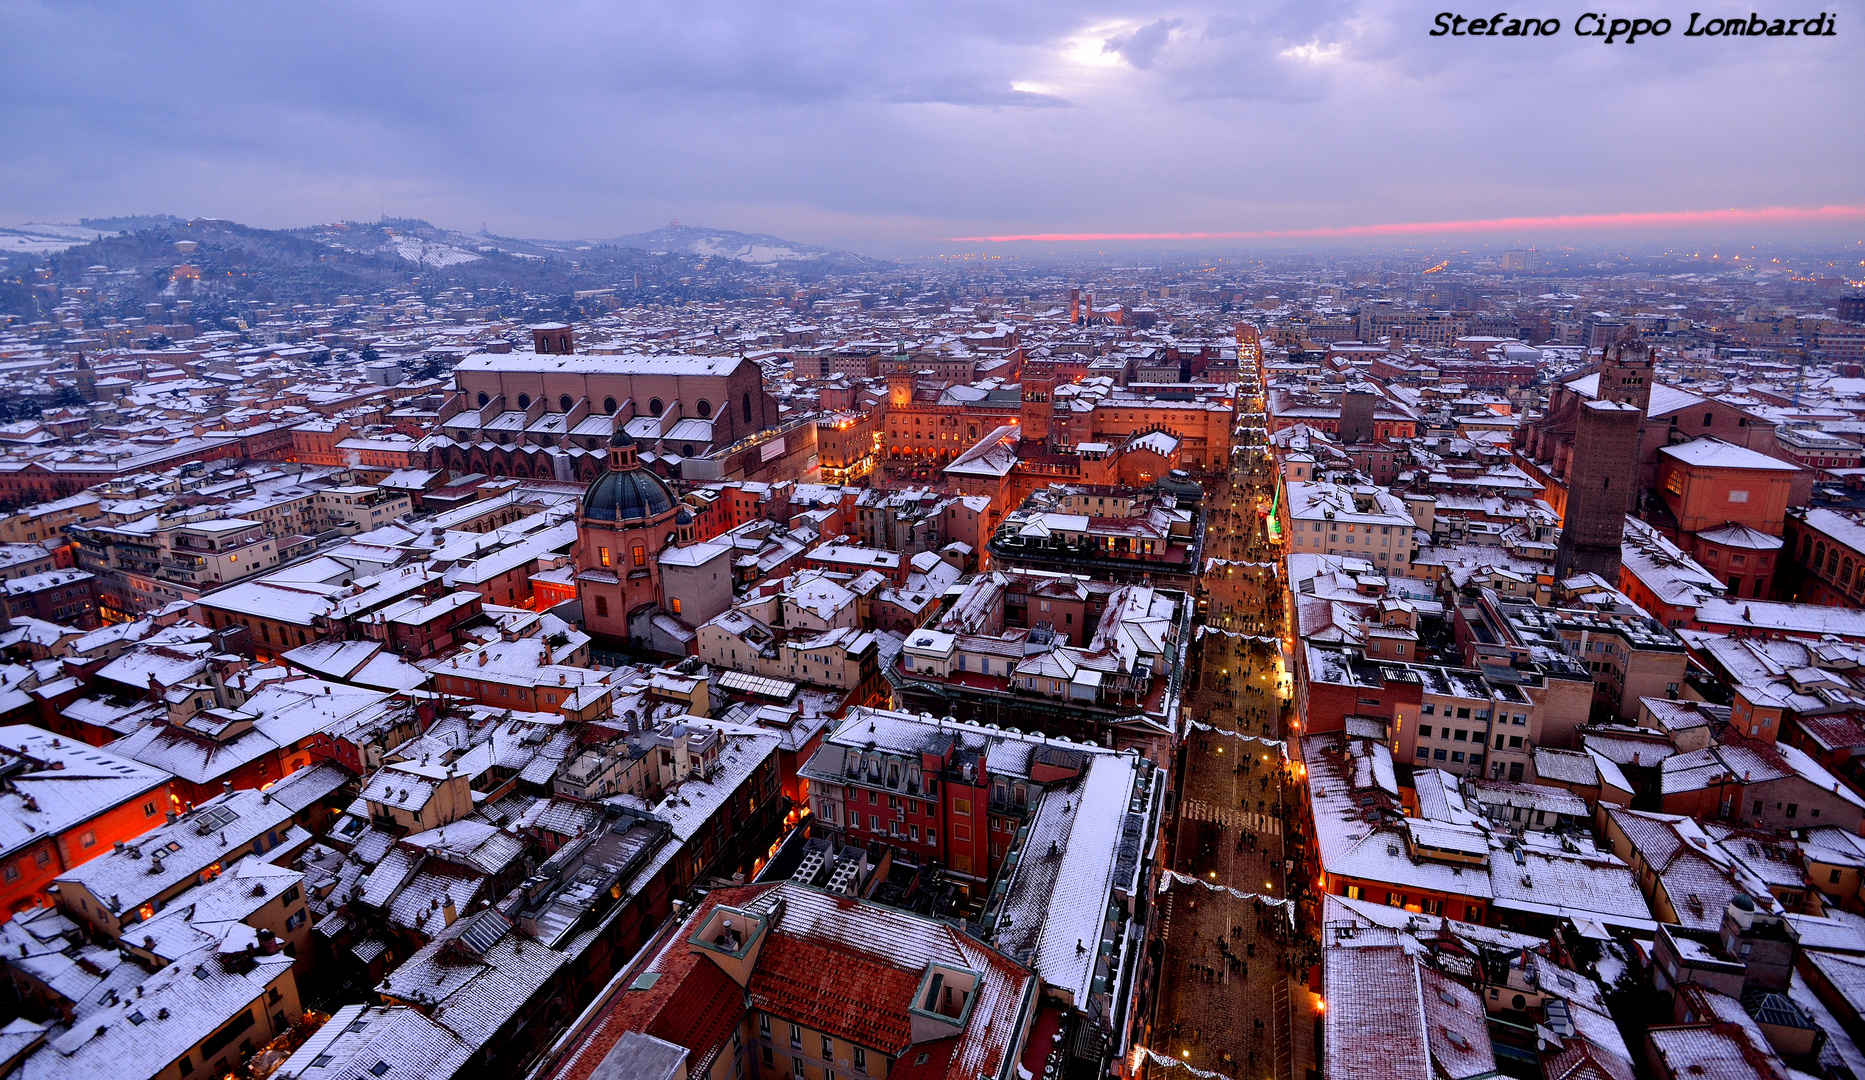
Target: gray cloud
column 1141, row 47
column 893, row 122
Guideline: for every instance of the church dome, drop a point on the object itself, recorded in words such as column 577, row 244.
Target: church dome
column 635, row 495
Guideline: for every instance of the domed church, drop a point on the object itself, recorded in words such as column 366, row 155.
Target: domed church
column 628, row 516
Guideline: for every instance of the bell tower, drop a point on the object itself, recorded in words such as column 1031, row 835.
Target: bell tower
column 87, row 379
column 900, row 389
column 1039, row 385
column 553, row 338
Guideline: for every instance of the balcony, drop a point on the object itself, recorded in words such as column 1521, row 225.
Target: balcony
column 194, row 572
column 1009, row 804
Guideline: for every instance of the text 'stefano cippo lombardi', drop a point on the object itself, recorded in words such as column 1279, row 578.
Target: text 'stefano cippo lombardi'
column 1614, row 31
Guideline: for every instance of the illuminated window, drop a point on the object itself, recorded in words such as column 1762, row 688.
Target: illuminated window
column 641, row 555
column 602, row 555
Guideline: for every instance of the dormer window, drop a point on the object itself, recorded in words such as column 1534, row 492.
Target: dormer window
column 943, row 1001
column 728, row 933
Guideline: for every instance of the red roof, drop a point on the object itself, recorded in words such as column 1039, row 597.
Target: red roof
column 835, row 989
column 825, row 965
column 693, row 1003
column 1838, row 731
column 702, row 1010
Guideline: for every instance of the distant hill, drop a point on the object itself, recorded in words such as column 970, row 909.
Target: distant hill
column 135, row 261
column 753, row 249
column 131, row 222
column 43, row 238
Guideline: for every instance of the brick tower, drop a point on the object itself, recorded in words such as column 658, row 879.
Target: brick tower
column 553, row 338
column 1625, row 371
column 1602, row 477
column 1357, row 405
column 1039, row 384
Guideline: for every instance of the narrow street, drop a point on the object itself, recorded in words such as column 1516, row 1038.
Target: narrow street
column 1223, row 1003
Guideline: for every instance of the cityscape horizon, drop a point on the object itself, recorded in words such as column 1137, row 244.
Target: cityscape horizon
column 711, row 541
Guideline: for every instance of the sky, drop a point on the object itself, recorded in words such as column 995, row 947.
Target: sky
column 887, row 126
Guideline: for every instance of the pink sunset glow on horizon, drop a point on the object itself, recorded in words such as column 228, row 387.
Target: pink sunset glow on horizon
column 1774, row 215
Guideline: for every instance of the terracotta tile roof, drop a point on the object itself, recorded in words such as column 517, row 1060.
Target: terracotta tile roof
column 702, row 1010
column 851, row 995
column 835, row 965
column 692, row 1002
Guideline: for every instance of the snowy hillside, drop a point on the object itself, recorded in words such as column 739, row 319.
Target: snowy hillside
column 42, row 238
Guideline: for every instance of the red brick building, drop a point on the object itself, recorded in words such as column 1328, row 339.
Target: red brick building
column 942, row 795
column 625, row 519
column 67, row 803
